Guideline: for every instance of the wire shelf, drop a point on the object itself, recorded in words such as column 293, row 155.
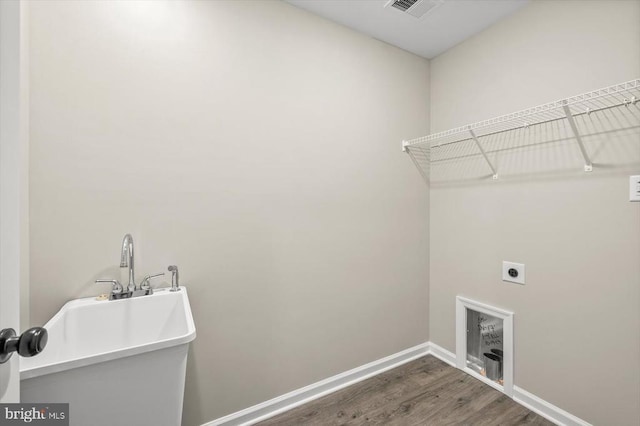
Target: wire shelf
column 577, row 119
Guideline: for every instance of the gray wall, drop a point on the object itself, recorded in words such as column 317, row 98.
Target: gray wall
column 577, row 323
column 257, row 147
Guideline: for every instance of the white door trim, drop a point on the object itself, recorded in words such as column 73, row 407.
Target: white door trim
column 13, row 179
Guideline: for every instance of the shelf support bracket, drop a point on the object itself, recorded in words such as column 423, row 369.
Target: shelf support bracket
column 588, row 166
column 417, row 164
column 484, row 154
column 404, row 146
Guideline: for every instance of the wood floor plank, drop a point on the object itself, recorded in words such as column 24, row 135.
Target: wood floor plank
column 425, row 402
column 426, row 391
column 350, row 404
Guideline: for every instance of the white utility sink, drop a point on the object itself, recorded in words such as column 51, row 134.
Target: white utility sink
column 115, row 361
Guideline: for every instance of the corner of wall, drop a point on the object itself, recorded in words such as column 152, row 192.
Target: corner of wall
column 429, row 322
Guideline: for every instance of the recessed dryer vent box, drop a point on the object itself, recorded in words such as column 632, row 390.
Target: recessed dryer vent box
column 484, row 343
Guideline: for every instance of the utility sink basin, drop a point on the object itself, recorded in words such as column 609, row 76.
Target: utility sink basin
column 115, row 361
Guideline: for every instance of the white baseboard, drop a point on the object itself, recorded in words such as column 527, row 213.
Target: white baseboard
column 537, row 405
column 545, row 409
column 442, row 354
column 319, row 389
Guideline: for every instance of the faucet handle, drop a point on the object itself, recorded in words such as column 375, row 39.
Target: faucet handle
column 146, row 281
column 117, row 287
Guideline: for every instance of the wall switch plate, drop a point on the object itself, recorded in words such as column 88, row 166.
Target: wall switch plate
column 513, row 272
column 634, row 188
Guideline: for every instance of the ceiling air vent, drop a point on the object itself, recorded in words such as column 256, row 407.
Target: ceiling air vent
column 415, row 8
column 403, row 5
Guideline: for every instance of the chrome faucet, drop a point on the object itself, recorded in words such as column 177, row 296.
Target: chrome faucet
column 126, row 260
column 118, row 291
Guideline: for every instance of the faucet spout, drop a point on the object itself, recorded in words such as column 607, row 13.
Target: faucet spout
column 126, row 260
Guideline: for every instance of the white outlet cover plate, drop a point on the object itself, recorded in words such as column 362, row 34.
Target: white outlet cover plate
column 519, row 267
column 634, row 188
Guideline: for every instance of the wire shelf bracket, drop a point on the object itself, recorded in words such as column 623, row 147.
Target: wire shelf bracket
column 484, row 154
column 588, row 167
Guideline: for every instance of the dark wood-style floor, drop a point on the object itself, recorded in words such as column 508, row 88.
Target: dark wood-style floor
column 422, row 392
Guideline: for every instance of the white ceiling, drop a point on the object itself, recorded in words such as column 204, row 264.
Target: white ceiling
column 437, row 31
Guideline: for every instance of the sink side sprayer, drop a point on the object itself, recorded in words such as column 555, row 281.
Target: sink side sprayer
column 175, row 285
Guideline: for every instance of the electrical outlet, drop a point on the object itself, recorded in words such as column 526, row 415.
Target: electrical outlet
column 513, row 272
column 634, row 188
